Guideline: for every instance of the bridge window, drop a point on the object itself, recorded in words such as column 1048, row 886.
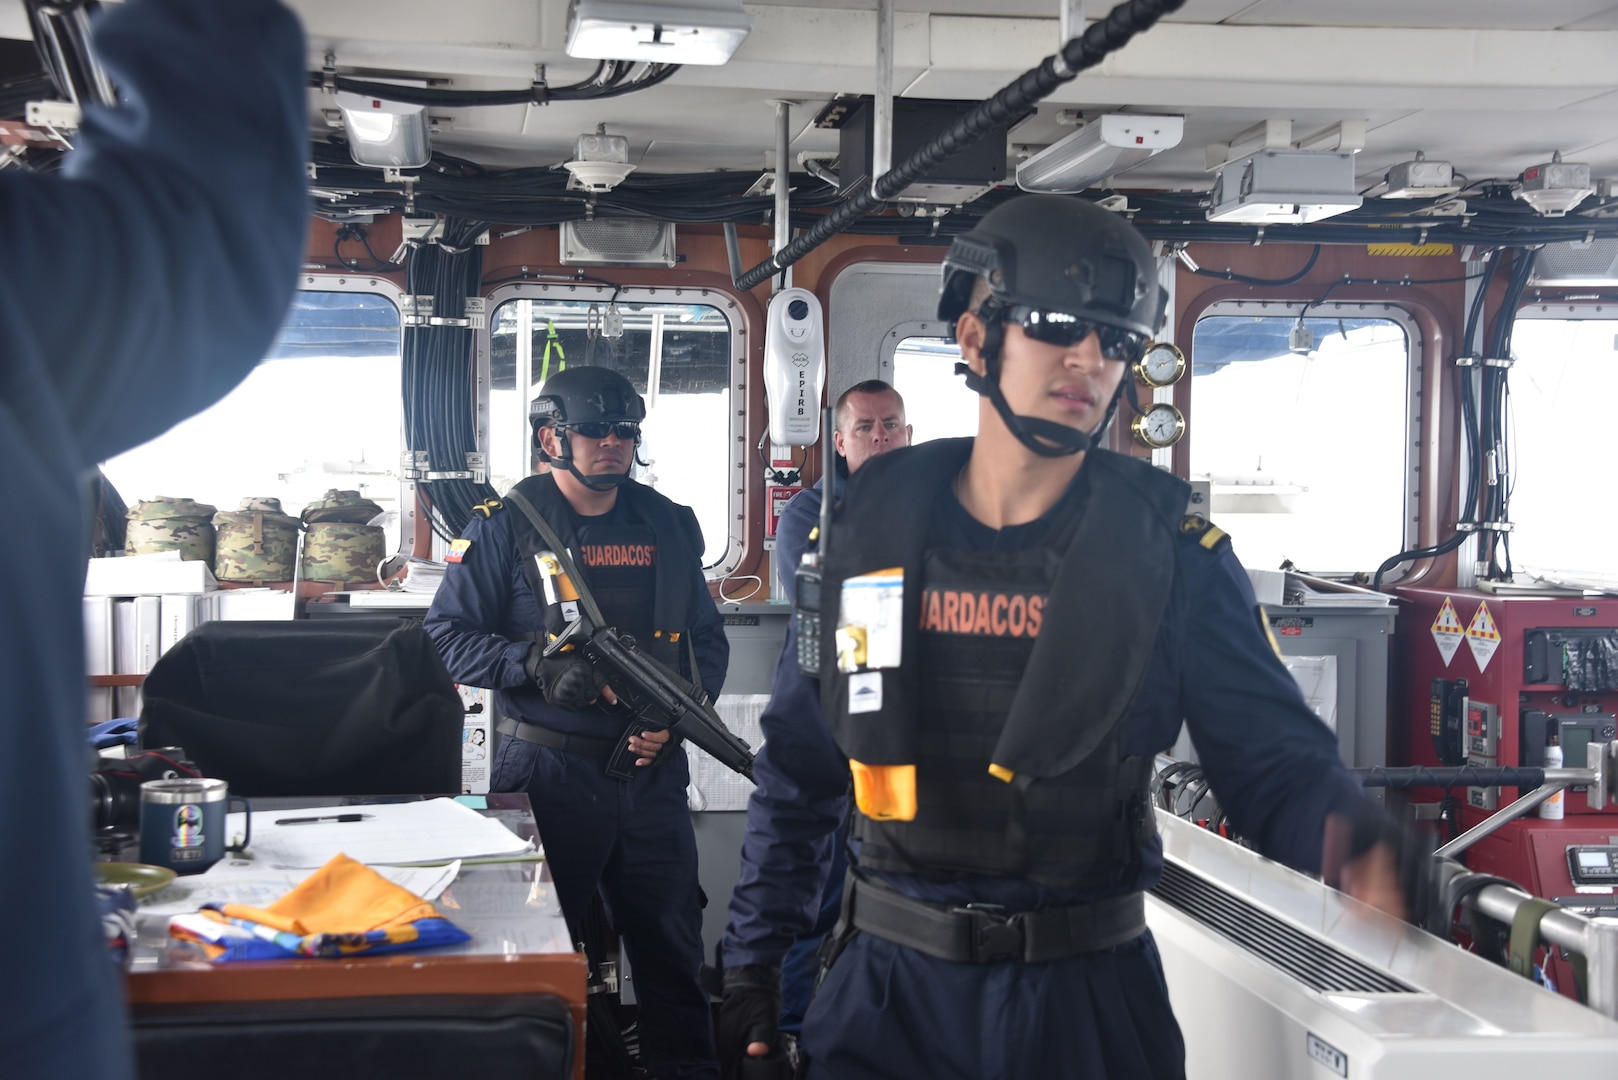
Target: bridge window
column 937, row 403
column 1304, row 450
column 321, row 411
column 681, row 354
column 1565, row 376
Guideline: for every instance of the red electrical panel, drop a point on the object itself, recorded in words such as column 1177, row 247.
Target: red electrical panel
column 1484, row 678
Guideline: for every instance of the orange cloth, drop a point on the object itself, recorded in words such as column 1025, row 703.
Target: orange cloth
column 342, row 897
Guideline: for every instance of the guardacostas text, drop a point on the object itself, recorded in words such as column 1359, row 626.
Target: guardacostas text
column 982, row 613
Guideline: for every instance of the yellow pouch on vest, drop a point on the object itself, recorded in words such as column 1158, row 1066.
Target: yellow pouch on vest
column 885, row 792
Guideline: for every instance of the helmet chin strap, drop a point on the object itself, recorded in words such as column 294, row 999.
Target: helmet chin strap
column 1044, row 437
column 605, row 482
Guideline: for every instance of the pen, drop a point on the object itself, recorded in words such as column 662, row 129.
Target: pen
column 316, row 820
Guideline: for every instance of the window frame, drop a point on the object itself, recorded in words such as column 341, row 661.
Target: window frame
column 1560, row 309
column 1416, row 420
column 736, row 546
column 393, row 293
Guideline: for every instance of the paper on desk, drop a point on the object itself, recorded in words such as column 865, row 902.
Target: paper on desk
column 437, row 830
column 245, row 883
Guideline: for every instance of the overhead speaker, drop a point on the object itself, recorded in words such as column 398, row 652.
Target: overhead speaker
column 618, row 242
column 1577, row 263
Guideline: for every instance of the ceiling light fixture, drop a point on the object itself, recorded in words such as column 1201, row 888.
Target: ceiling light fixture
column 1107, row 145
column 1284, row 187
column 385, row 134
column 657, row 31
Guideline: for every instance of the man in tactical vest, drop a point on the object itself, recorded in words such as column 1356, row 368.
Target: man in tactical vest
column 641, row 558
column 1013, row 627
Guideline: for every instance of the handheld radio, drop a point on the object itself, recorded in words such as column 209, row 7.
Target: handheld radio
column 808, row 575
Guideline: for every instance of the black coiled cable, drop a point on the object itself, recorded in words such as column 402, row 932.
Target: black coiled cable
column 438, row 379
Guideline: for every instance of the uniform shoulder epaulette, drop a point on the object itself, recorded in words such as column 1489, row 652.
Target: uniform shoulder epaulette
column 488, row 506
column 1203, row 531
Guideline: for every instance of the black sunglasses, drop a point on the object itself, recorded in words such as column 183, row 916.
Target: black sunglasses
column 1059, row 328
column 627, row 430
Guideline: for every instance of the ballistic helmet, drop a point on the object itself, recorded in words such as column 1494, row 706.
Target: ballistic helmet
column 580, row 395
column 584, row 395
column 1057, row 253
column 1052, row 254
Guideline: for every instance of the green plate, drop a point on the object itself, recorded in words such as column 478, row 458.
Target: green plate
column 143, row 879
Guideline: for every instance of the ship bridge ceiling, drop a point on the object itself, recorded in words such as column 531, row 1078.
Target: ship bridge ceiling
column 1493, row 86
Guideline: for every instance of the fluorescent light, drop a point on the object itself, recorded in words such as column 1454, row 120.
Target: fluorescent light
column 1107, row 145
column 666, row 32
column 385, row 134
column 1284, row 187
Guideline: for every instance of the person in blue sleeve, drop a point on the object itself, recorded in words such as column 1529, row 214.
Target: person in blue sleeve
column 641, row 557
column 1014, row 626
column 870, row 421
column 138, row 285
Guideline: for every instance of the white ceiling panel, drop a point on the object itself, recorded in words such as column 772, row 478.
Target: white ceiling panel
column 1442, row 14
column 1607, row 20
column 14, row 20
column 1204, row 11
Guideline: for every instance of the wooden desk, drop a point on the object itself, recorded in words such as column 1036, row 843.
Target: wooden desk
column 510, row 909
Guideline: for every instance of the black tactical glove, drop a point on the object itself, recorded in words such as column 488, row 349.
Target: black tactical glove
column 1413, row 857
column 749, row 1014
column 567, row 680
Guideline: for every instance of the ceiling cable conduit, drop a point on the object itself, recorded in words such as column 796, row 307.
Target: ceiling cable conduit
column 610, row 79
column 1085, row 51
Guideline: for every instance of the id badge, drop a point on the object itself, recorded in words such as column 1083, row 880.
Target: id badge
column 870, row 621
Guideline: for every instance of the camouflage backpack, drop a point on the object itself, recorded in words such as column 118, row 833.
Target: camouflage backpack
column 257, row 542
column 338, row 545
column 167, row 524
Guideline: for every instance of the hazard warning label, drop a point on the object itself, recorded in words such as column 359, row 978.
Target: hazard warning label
column 1482, row 637
column 1448, row 631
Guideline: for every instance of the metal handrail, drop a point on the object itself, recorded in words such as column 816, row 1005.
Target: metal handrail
column 1596, row 939
column 1555, row 780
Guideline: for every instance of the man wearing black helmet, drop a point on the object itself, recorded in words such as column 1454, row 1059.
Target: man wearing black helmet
column 641, row 558
column 1013, row 627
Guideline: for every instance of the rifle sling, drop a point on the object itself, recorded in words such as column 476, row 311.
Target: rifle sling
column 586, row 601
column 548, row 534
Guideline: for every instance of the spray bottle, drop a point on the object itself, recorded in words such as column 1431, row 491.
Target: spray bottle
column 1552, row 808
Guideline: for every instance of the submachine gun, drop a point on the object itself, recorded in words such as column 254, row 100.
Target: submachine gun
column 656, row 697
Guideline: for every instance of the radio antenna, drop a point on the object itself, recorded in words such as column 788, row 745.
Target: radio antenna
column 828, row 471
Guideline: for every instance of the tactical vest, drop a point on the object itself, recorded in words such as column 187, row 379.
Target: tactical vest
column 636, row 568
column 621, row 561
column 1016, row 752
column 981, row 614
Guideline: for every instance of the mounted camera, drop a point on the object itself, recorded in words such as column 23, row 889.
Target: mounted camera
column 115, row 785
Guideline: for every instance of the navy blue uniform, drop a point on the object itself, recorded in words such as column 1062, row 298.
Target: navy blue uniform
column 889, row 1011
column 798, row 519
column 137, row 286
column 799, row 970
column 632, row 838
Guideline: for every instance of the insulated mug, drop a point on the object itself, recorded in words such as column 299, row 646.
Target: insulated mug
column 182, row 823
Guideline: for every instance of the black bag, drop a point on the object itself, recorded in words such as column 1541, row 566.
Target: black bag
column 348, row 707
